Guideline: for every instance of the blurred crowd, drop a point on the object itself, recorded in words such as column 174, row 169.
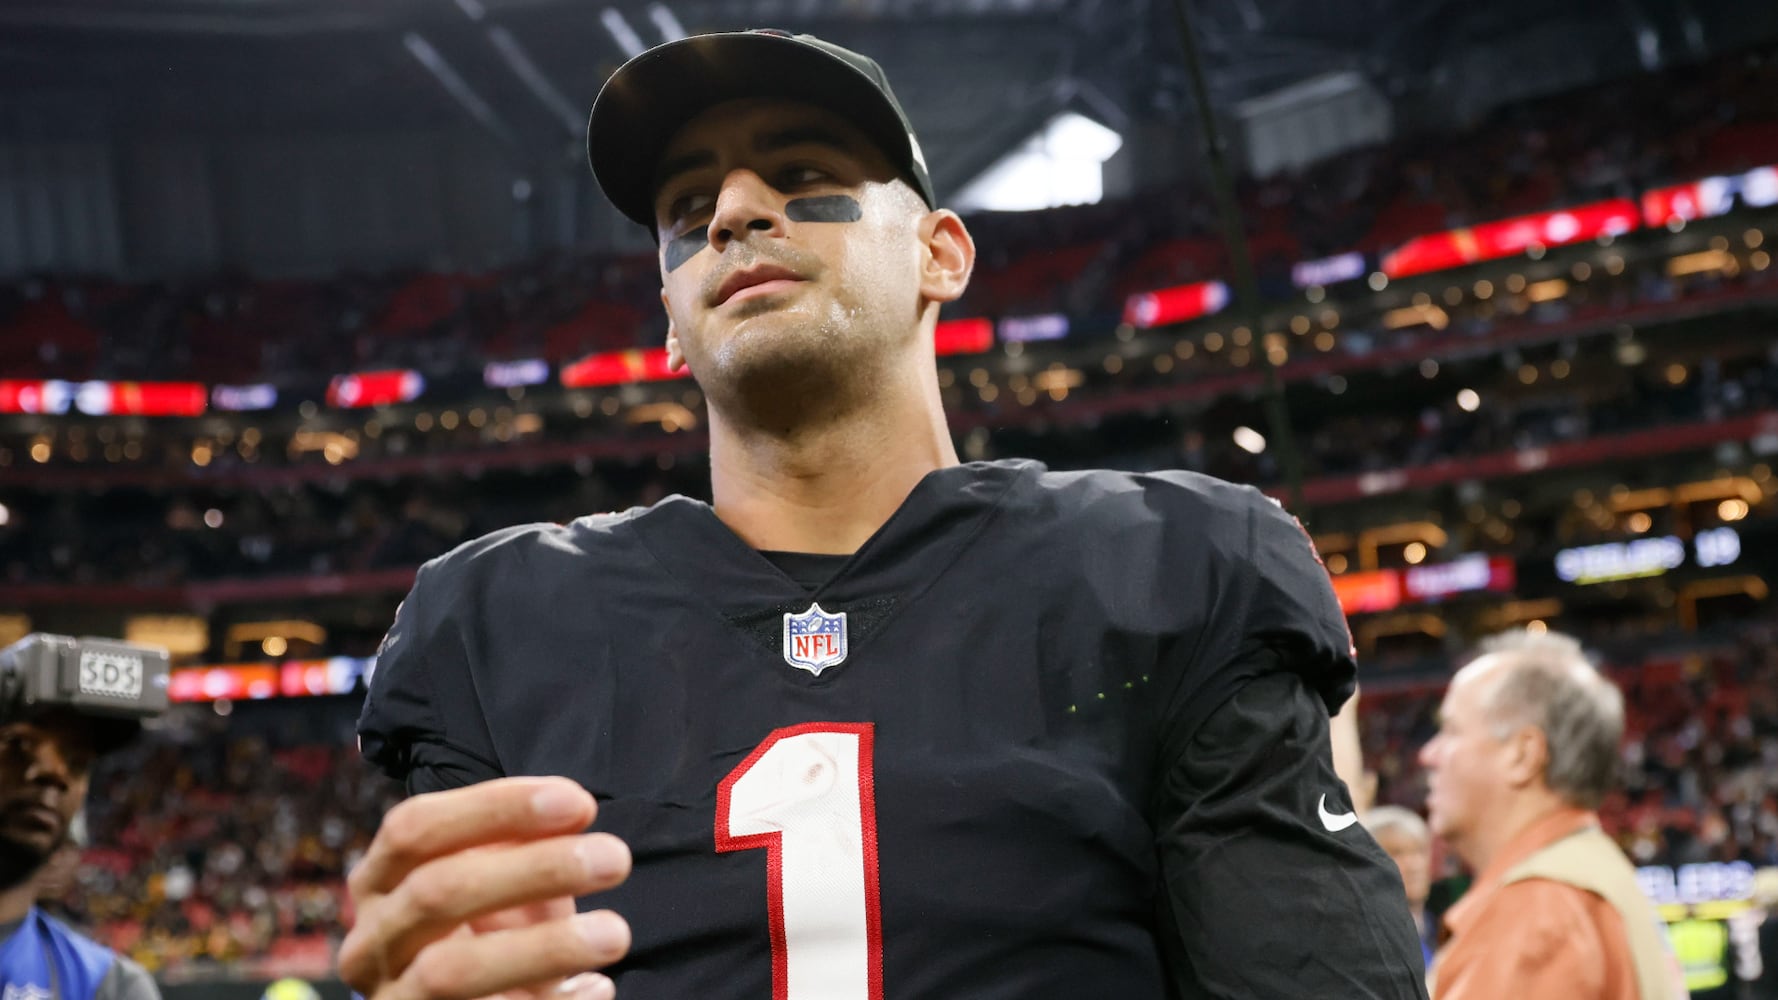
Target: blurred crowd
column 219, row 848
column 1610, row 141
column 1568, row 400
column 151, row 539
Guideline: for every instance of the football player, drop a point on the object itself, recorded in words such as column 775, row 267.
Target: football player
column 874, row 723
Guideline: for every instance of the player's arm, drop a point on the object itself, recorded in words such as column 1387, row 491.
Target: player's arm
column 469, row 892
column 422, row 722
column 1270, row 887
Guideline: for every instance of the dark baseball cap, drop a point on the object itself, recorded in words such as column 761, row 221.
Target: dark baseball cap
column 651, row 97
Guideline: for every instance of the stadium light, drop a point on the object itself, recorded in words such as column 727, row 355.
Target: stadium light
column 455, row 85
column 621, row 32
column 1061, row 164
column 519, row 61
column 5, row 515
column 671, row 29
column 1249, row 440
column 1469, row 401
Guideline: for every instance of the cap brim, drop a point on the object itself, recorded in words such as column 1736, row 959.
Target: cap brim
column 651, row 97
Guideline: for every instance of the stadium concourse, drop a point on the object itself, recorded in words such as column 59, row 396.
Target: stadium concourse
column 1528, row 375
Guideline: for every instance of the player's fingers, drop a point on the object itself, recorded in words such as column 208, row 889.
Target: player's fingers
column 441, row 894
column 462, row 968
column 426, row 826
column 529, row 883
column 586, row 986
column 523, row 915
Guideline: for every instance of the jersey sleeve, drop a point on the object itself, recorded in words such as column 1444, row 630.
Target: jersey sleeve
column 1262, row 589
column 422, row 723
column 1294, row 610
column 1270, row 887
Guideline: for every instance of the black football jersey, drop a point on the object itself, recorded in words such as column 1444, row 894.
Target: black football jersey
column 1045, row 735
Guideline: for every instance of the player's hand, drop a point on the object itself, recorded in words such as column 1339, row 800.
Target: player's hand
column 470, row 893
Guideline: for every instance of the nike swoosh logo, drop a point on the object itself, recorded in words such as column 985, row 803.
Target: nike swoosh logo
column 1335, row 822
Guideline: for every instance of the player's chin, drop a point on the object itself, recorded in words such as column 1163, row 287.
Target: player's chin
column 756, row 323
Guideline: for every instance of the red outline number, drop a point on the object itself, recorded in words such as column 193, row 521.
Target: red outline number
column 807, row 795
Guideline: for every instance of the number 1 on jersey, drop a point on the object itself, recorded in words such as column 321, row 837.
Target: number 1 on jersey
column 807, row 797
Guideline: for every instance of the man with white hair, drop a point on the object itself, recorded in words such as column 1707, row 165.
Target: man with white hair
column 1526, row 750
column 1403, row 836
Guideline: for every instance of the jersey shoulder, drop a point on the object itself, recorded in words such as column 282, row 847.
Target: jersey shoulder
column 522, row 556
column 1205, row 543
column 424, row 688
column 1210, row 511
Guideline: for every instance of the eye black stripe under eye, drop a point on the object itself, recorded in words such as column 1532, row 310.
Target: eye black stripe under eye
column 825, row 208
column 683, row 248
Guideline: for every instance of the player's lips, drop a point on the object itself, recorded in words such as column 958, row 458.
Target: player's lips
column 752, row 282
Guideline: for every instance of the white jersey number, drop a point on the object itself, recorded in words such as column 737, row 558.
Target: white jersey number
column 806, row 797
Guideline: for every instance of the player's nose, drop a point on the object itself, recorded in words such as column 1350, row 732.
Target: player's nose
column 745, row 204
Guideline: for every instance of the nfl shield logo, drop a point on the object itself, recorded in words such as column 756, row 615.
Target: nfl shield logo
column 814, row 640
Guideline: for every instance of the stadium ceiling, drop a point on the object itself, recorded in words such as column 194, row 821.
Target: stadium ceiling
column 976, row 75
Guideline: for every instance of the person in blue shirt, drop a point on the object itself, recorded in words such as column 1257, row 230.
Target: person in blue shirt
column 45, row 764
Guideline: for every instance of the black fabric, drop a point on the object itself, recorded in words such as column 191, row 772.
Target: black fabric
column 766, row 626
column 809, row 569
column 1261, row 898
column 1048, row 667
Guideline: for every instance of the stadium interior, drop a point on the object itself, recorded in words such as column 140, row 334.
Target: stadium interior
column 297, row 295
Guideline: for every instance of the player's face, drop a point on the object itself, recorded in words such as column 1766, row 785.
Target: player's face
column 1465, row 763
column 44, row 766
column 785, row 239
column 1414, row 857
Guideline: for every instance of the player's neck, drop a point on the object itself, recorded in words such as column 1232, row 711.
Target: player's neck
column 826, row 487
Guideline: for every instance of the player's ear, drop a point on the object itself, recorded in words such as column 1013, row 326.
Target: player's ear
column 947, row 256
column 675, row 356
